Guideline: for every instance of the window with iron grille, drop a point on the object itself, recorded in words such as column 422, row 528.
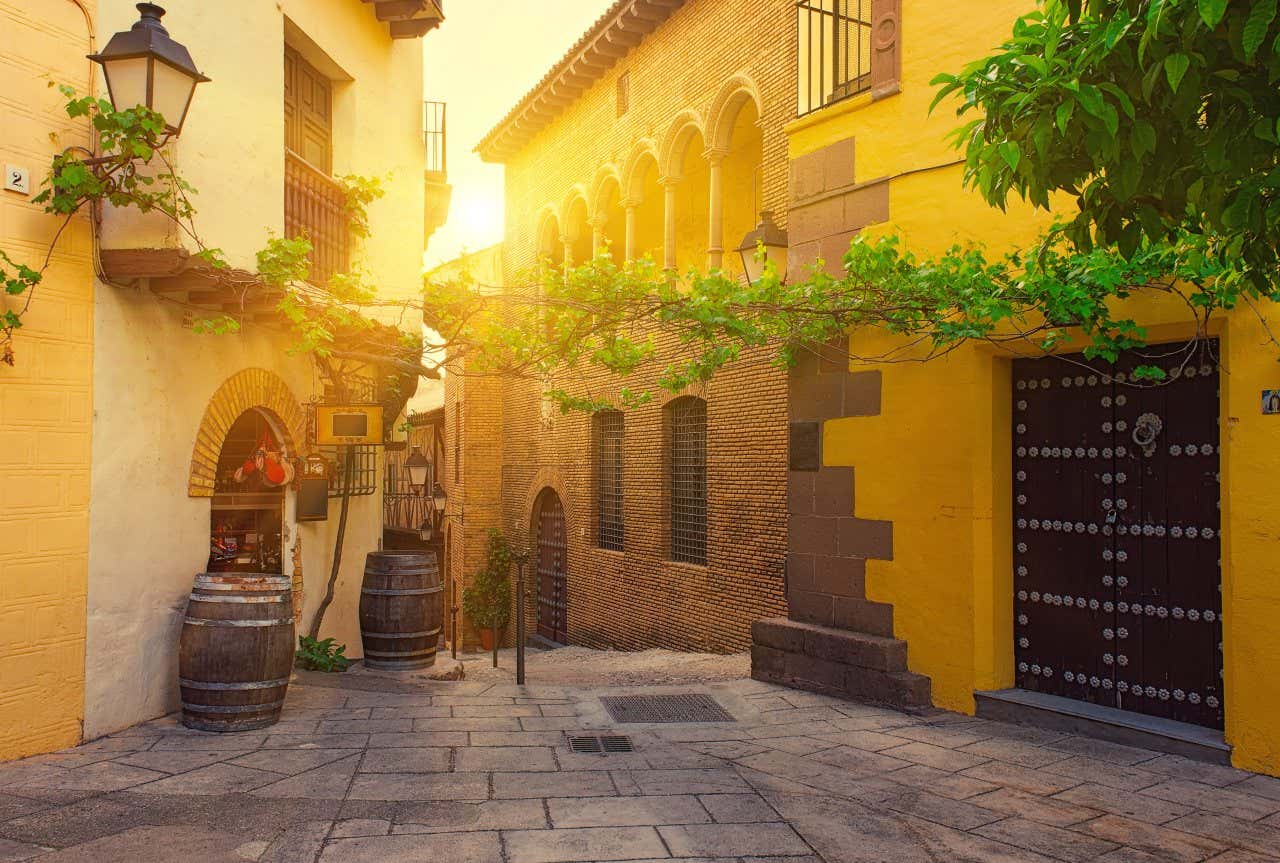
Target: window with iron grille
column 609, row 427
column 834, row 40
column 364, row 469
column 688, row 453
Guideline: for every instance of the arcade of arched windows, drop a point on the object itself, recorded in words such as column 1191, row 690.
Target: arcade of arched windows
column 686, row 201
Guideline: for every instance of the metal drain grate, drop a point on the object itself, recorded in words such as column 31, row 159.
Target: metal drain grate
column 681, row 707
column 601, row 745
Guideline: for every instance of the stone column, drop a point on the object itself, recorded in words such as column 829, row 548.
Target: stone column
column 632, row 207
column 669, row 186
column 715, row 231
column 597, row 235
column 567, row 245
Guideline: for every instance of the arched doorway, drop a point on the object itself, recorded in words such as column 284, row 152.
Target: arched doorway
column 246, row 519
column 553, row 553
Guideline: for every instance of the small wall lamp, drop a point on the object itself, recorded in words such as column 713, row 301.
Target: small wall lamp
column 774, row 241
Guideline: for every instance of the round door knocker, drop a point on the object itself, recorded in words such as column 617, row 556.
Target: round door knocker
column 1145, row 432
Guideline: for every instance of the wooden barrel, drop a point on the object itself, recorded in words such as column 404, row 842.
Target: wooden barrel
column 236, row 652
column 400, row 609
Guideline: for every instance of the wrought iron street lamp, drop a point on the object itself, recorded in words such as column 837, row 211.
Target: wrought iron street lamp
column 774, row 241
column 418, row 466
column 144, row 66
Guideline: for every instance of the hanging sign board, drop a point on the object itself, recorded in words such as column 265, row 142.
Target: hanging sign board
column 348, row 425
column 313, row 500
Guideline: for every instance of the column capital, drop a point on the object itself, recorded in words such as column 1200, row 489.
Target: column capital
column 629, row 203
column 715, row 155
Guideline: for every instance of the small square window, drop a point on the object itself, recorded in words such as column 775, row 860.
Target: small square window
column 624, row 93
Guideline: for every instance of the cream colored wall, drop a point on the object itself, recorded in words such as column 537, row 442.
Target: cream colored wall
column 232, row 147
column 147, row 537
column 45, row 398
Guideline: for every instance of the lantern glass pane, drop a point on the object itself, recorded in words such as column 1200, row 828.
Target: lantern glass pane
column 752, row 265
column 173, row 90
column 127, row 80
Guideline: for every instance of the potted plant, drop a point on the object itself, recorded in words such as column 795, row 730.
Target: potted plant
column 487, row 601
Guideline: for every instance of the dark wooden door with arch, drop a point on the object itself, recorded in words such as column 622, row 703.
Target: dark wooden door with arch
column 552, row 568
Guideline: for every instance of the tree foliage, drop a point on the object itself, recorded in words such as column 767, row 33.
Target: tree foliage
column 1161, row 118
column 641, row 324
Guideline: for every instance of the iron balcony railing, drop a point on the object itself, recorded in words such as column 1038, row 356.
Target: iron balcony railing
column 403, row 506
column 435, row 129
column 834, row 42
column 315, row 207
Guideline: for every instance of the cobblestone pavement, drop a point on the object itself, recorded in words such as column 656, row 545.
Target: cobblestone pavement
column 362, row 769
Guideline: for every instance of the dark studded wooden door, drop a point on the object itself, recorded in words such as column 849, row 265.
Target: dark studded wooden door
column 1116, row 519
column 552, row 554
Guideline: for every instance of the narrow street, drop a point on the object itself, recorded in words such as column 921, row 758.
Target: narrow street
column 365, row 767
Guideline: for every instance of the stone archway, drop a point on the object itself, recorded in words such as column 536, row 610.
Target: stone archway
column 246, row 389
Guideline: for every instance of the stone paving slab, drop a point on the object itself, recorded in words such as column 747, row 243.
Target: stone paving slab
column 375, row 768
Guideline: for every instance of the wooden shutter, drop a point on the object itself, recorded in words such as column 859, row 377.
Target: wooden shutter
column 308, row 111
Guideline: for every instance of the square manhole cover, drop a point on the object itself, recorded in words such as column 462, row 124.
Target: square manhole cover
column 680, row 707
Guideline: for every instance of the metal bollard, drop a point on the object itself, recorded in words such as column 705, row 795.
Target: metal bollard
column 521, row 559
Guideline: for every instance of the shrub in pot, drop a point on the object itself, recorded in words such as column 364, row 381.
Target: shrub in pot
column 487, row 601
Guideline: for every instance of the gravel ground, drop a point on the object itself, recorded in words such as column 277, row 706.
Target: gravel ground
column 582, row 665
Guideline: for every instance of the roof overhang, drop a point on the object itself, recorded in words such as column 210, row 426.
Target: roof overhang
column 409, row 19
column 610, row 39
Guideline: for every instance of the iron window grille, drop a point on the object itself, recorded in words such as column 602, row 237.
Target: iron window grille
column 834, row 41
column 688, row 418
column 364, row 469
column 609, row 429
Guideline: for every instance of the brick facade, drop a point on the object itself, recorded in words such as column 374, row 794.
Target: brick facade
column 688, row 81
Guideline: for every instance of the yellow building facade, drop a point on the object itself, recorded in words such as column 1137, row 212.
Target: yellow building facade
column 46, row 401
column 934, row 457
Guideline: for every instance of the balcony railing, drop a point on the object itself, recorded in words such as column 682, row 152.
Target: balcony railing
column 834, row 38
column 435, row 128
column 315, row 207
column 403, row 506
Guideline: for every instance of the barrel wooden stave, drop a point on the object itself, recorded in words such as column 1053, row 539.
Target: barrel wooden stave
column 401, row 610
column 236, row 651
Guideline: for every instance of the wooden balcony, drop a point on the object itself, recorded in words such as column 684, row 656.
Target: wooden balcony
column 315, row 207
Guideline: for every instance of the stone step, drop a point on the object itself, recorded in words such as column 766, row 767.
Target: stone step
column 837, row 645
column 1104, row 723
column 837, row 662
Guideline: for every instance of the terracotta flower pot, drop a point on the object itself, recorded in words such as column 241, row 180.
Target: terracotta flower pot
column 486, row 639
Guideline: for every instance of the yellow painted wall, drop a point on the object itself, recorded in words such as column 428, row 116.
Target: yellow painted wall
column 936, row 461
column 45, row 399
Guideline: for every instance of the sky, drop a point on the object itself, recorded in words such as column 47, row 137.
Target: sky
column 481, row 61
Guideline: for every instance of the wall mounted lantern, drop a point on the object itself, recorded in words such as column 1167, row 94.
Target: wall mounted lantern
column 418, row 466
column 774, row 241
column 144, row 66
column 438, row 499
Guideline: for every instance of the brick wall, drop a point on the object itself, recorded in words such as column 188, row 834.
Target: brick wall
column 45, row 398
column 639, row 598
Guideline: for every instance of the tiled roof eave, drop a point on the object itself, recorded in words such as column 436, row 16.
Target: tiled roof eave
column 621, row 28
